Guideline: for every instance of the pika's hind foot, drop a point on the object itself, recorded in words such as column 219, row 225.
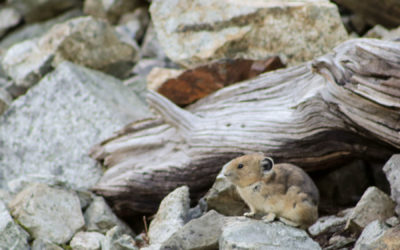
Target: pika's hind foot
column 289, row 222
column 269, row 217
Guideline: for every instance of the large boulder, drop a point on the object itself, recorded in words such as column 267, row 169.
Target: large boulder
column 200, row 31
column 45, row 135
column 84, row 41
column 12, row 236
column 48, row 213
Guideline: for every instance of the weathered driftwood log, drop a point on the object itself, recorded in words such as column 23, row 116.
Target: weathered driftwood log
column 342, row 105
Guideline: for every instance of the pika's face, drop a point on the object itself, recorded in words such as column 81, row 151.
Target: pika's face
column 248, row 169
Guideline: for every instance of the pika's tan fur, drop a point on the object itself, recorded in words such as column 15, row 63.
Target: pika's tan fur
column 283, row 191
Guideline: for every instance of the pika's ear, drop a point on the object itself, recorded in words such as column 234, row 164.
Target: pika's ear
column 267, row 163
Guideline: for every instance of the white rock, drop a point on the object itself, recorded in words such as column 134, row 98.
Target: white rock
column 373, row 205
column 48, row 213
column 372, row 233
column 87, row 241
column 134, row 24
column 47, row 133
column 170, row 216
column 12, row 236
column 100, row 218
column 199, row 31
column 327, row 224
column 117, row 240
column 158, row 76
column 39, row 244
column 9, row 17
column 392, row 171
column 255, row 234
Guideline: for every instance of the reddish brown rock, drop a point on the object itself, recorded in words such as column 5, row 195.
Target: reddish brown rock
column 199, row 82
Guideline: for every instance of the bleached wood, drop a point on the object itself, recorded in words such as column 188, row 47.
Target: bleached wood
column 343, row 105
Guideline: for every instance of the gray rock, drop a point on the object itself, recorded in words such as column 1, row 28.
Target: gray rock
column 373, row 205
column 151, row 47
column 392, row 171
column 117, row 240
column 9, row 17
column 87, row 241
column 84, row 41
column 48, row 213
column 171, row 215
column 339, row 242
column 371, row 234
column 200, row 32
column 26, row 64
column 134, row 24
column 47, row 133
column 110, row 10
column 327, row 224
column 100, row 218
column 12, row 236
column 33, row 10
column 255, row 234
column 224, row 198
column 144, row 66
column 201, row 233
column 40, row 244
column 34, row 30
column 5, row 100
column 85, row 198
column 138, row 85
column 392, row 221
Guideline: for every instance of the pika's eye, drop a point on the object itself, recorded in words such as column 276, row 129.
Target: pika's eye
column 240, row 166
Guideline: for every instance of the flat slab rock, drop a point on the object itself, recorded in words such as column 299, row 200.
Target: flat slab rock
column 45, row 135
column 197, row 32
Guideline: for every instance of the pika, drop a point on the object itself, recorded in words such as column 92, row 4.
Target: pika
column 282, row 191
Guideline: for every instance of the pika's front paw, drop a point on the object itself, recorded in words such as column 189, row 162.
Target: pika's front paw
column 249, row 214
column 269, row 217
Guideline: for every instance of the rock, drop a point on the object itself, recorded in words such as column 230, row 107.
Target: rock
column 9, row 17
column 110, row 10
column 84, row 41
column 171, row 215
column 45, row 135
column 85, row 198
column 256, row 234
column 144, row 66
column 138, row 85
column 392, row 221
column 134, row 24
column 201, row 233
column 34, row 30
column 203, row 31
column 12, row 236
column 381, row 32
column 100, row 218
column 48, row 213
column 40, row 244
column 327, row 224
column 158, row 76
column 196, row 83
column 339, row 242
column 87, row 241
column 33, row 10
column 392, row 171
column 370, row 235
column 25, row 65
column 223, row 198
column 151, row 47
column 373, row 205
column 117, row 240
column 5, row 100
